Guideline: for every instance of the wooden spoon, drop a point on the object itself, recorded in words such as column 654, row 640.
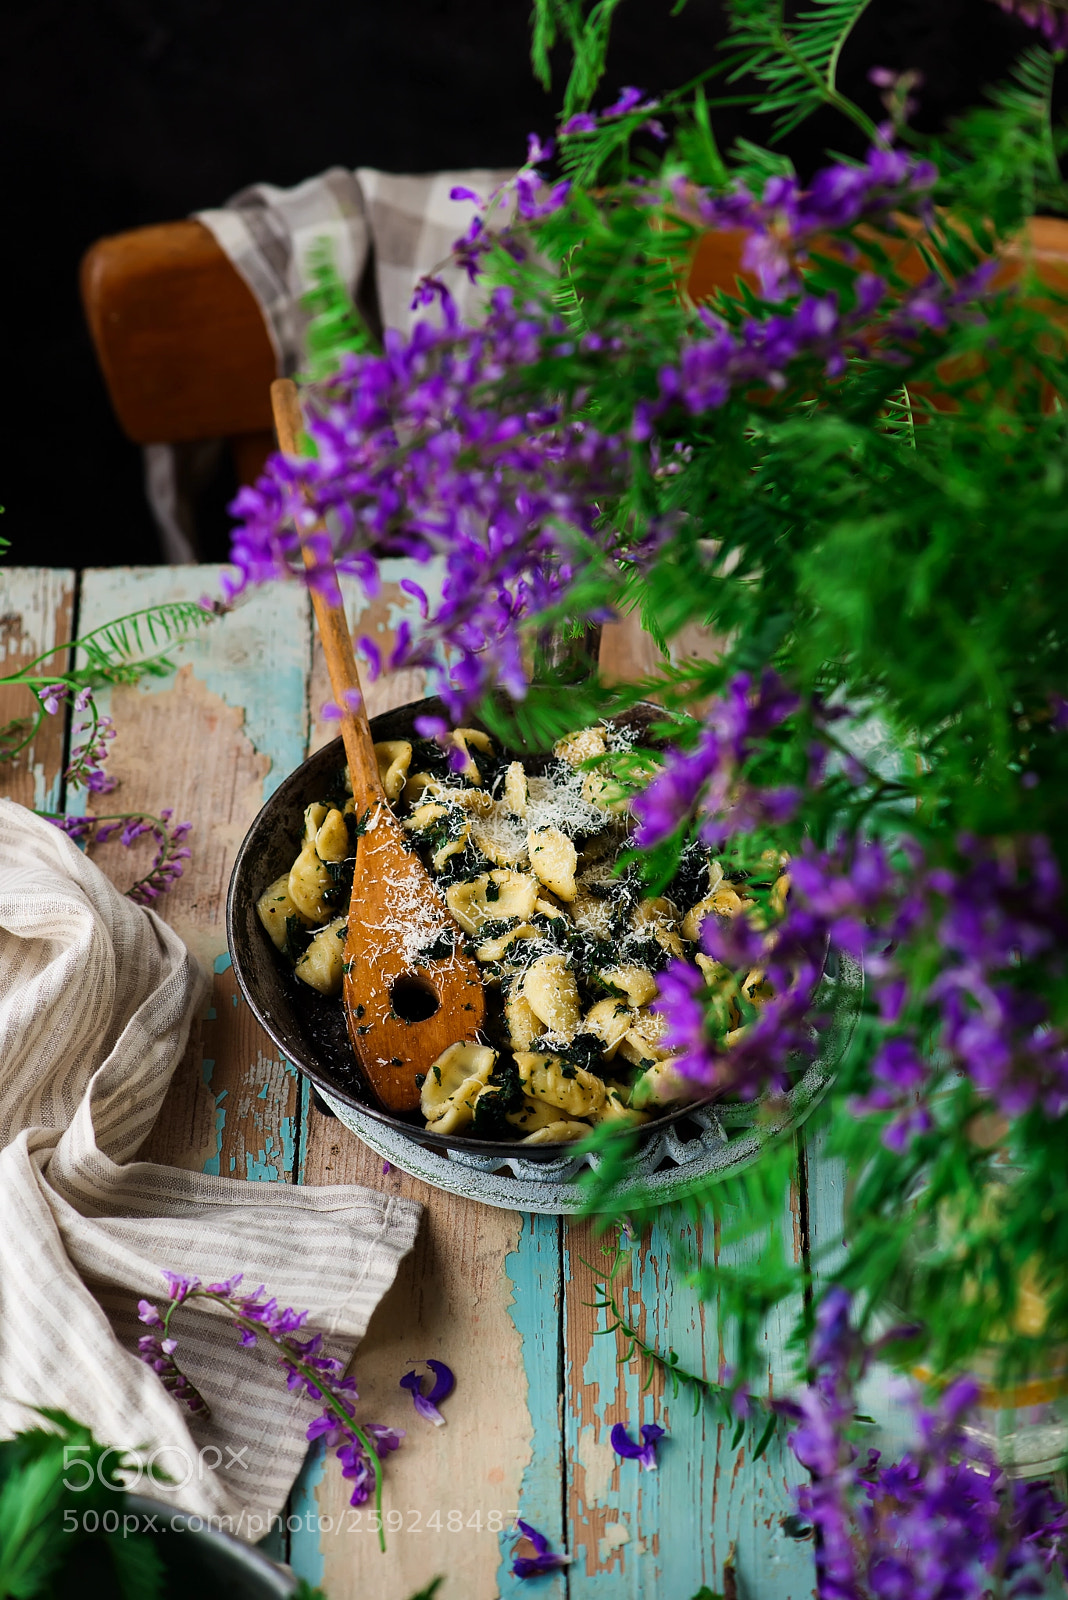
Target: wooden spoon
column 409, row 990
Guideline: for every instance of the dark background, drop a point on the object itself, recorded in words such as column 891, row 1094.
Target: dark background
column 118, row 113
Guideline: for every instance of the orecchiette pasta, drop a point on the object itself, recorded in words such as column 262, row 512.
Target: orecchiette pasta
column 320, row 965
column 553, row 859
column 548, row 1078
column 570, row 948
column 274, row 909
column 454, row 1083
column 394, row 757
column 491, row 897
column 549, row 988
column 309, row 884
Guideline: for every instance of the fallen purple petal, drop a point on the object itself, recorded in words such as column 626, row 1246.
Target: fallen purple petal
column 644, row 1453
column 543, row 1559
column 427, row 1405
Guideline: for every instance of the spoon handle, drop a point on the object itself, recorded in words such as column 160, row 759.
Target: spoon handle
column 330, row 615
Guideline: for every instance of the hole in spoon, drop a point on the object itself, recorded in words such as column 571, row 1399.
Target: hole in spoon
column 413, row 1000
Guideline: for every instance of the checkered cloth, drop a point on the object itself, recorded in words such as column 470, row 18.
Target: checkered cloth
column 399, row 227
column 384, row 231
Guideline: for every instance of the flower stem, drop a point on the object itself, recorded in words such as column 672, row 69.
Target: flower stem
column 288, row 1354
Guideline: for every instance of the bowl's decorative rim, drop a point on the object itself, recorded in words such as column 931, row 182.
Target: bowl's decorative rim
column 705, row 1143
column 450, row 1154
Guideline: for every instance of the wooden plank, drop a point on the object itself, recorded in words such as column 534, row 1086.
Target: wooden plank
column 36, row 613
column 643, row 1535
column 481, row 1292
column 627, row 651
column 640, row 1535
column 212, row 740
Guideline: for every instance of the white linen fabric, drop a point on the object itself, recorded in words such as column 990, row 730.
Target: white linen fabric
column 96, row 1000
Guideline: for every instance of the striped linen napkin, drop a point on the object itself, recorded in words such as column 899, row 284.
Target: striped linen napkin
column 96, row 999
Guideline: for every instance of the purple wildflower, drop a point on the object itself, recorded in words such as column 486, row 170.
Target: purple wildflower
column 171, row 850
column 998, row 914
column 938, row 1523
column 1050, row 18
column 761, row 351
column 543, row 1559
column 629, row 100
column 537, row 151
column 81, row 827
column 226, row 1287
column 707, row 778
column 427, row 1405
column 500, row 491
column 86, row 763
column 645, row 1453
column 53, row 695
column 158, row 1354
column 181, row 1288
column 307, row 1370
column 356, row 1464
column 787, row 219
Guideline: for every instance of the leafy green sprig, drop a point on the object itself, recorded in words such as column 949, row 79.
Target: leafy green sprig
column 50, row 1478
column 733, row 1405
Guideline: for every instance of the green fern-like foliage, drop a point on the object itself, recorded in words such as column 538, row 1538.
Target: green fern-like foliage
column 586, row 32
column 45, row 1531
column 335, row 327
column 999, row 161
column 795, row 63
column 131, row 646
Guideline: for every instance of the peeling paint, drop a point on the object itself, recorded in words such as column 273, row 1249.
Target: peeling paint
column 600, row 1462
column 212, row 1163
column 288, row 1129
column 260, row 1167
column 533, row 1272
column 615, row 1536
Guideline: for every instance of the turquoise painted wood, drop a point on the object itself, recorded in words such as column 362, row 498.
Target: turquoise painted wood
column 257, row 659
column 672, row 1531
column 304, row 1540
column 661, row 1535
column 534, row 1268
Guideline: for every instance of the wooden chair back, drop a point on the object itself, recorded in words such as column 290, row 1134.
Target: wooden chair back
column 181, row 341
column 186, row 355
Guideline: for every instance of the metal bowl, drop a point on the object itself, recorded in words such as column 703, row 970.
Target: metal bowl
column 308, row 1028
column 206, row 1561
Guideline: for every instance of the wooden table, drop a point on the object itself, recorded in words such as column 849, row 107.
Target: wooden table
column 505, row 1299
